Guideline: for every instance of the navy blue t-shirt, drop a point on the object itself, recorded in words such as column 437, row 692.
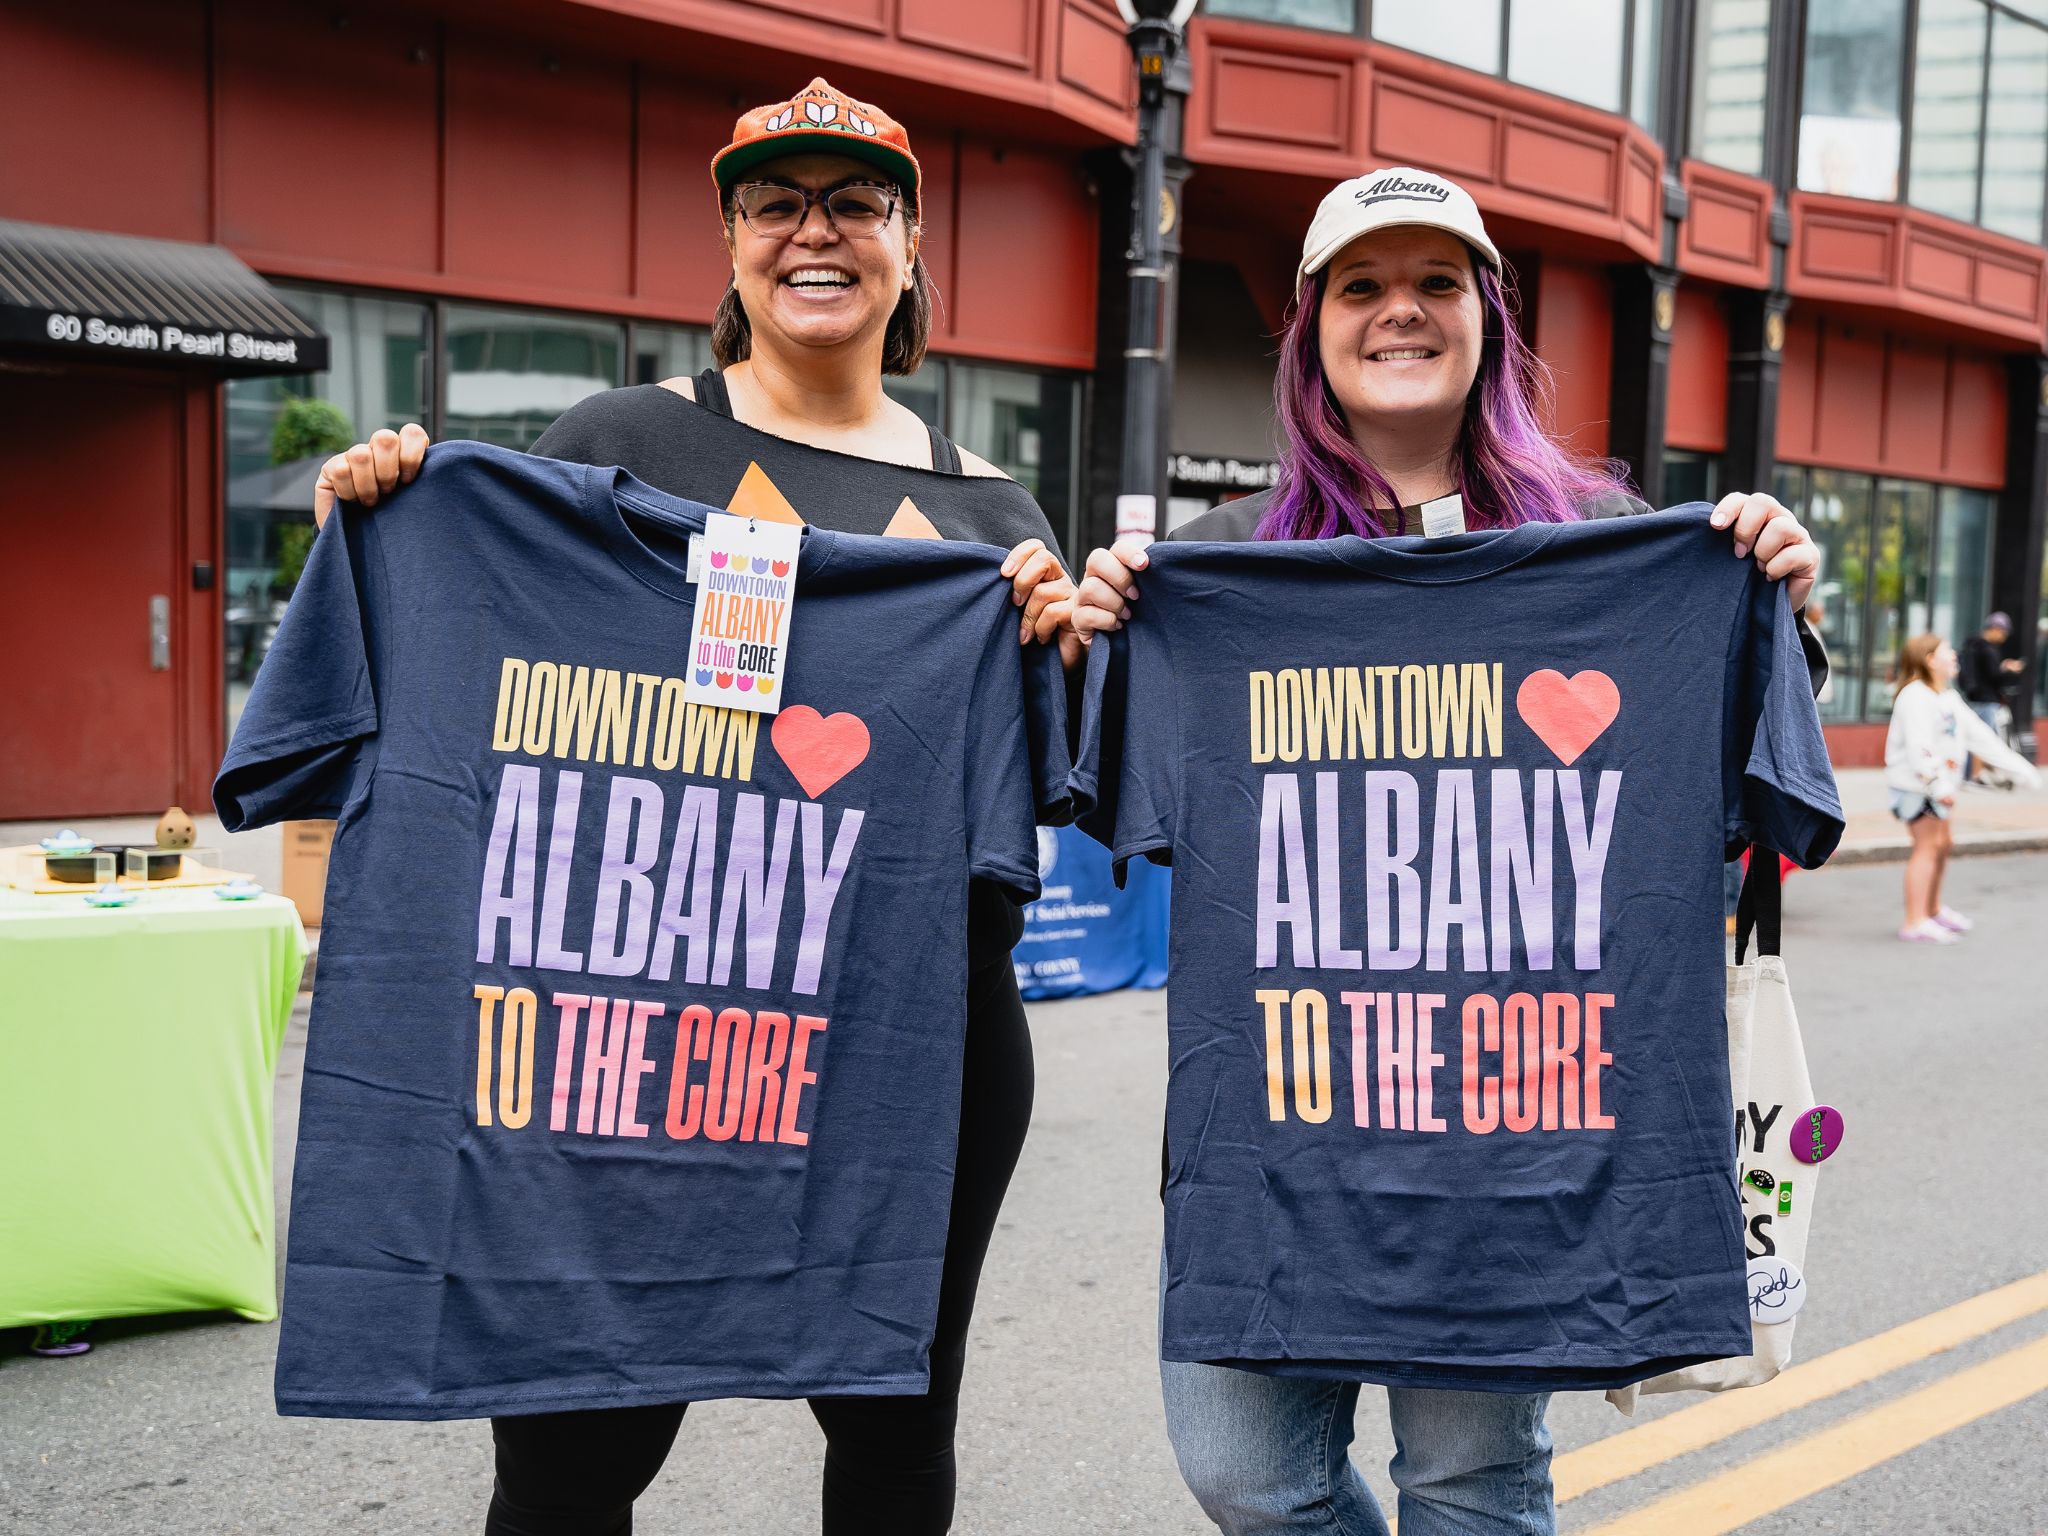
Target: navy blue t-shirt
column 633, row 1074
column 1449, row 1100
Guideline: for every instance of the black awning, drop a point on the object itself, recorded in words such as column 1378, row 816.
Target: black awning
column 115, row 298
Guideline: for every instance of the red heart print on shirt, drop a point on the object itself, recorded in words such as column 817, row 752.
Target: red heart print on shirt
column 819, row 750
column 1568, row 714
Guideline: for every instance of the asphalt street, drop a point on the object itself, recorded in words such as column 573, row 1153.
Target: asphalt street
column 1939, row 1057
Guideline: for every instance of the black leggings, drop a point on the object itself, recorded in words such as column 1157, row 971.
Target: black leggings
column 888, row 1460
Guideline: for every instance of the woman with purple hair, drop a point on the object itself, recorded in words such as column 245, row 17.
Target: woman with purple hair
column 1403, row 382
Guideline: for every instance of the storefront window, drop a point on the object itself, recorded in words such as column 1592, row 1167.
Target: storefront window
column 923, row 391
column 1899, row 585
column 2040, row 647
column 1948, row 87
column 1898, row 558
column 1836, row 508
column 1027, row 425
column 669, row 352
column 1463, row 32
column 1731, row 67
column 1849, row 120
column 1322, row 15
column 279, row 430
column 2016, row 129
column 512, row 372
column 1690, row 477
column 1962, row 562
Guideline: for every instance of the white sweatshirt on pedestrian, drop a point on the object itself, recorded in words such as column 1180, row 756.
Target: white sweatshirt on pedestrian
column 1931, row 735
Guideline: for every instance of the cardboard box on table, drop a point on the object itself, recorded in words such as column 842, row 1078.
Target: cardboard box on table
column 306, row 846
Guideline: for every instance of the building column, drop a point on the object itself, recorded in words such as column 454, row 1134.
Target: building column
column 1756, row 353
column 2018, row 539
column 1645, row 305
column 1102, row 426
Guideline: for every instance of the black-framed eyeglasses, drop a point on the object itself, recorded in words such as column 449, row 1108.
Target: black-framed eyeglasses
column 857, row 209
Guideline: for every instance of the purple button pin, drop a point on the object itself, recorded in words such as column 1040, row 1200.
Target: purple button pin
column 1817, row 1133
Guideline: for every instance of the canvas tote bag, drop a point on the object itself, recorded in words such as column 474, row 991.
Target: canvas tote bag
column 1774, row 1104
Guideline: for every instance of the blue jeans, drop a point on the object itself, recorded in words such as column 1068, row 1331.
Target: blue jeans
column 1269, row 1454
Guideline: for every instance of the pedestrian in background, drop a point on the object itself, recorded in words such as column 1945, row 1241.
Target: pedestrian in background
column 1932, row 731
column 1989, row 677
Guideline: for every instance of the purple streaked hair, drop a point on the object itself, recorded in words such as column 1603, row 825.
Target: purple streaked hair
column 1508, row 469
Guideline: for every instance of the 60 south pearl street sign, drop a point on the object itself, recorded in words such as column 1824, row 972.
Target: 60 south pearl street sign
column 143, row 336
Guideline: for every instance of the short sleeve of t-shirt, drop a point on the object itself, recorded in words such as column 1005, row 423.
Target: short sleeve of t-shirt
column 1126, row 780
column 1778, row 788
column 312, row 713
column 1016, row 767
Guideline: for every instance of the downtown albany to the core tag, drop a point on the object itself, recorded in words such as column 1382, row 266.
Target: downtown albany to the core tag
column 1436, row 890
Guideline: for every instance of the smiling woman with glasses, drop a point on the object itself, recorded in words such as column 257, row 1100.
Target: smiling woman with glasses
column 818, row 204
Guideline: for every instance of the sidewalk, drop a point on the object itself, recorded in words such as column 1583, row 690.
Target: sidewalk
column 1987, row 820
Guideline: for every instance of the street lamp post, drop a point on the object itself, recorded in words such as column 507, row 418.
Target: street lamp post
column 1153, row 28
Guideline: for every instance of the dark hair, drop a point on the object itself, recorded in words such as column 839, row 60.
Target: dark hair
column 903, row 345
column 1506, row 466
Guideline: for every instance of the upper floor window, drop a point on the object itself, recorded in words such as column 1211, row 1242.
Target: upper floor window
column 1321, row 15
column 1956, row 124
column 1849, row 120
column 1730, row 75
column 1600, row 52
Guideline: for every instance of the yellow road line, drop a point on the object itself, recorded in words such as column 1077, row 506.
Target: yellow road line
column 1730, row 1413
column 1732, row 1499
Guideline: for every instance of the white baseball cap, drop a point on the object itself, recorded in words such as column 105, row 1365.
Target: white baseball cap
column 1388, row 199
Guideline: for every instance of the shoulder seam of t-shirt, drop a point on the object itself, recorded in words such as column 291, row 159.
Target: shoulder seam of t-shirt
column 1123, row 853
column 1013, row 876
column 331, row 731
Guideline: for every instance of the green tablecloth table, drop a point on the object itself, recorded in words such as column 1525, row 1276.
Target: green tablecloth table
column 137, row 1049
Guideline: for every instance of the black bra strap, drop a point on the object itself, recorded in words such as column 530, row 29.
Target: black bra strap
column 1761, row 905
column 711, row 393
column 945, row 457
column 716, row 398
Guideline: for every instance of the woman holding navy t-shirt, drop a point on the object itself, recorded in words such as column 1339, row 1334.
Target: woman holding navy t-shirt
column 1403, row 381
column 818, row 197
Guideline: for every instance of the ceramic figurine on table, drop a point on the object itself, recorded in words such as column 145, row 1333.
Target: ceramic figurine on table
column 174, row 829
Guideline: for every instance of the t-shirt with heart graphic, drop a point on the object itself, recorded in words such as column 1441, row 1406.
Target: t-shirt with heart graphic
column 633, row 1074
column 1448, row 1100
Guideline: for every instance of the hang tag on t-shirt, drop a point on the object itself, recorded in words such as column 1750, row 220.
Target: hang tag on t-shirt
column 693, row 570
column 1443, row 517
column 739, row 635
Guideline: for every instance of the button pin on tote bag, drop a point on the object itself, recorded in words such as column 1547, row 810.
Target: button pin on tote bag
column 1817, row 1133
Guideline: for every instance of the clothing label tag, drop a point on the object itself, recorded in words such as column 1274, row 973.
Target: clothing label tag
column 739, row 635
column 693, row 572
column 1443, row 517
